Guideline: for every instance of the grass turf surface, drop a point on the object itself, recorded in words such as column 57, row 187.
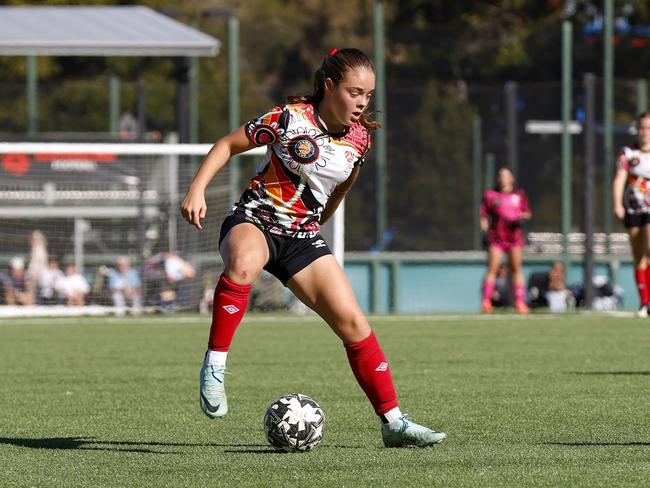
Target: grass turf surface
column 540, row 401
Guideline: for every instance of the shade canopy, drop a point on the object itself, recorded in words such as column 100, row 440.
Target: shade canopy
column 98, row 31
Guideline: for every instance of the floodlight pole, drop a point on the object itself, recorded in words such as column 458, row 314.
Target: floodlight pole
column 114, row 105
column 641, row 96
column 489, row 171
column 589, row 82
column 32, row 95
column 510, row 89
column 477, row 151
column 233, row 101
column 608, row 115
column 567, row 38
column 380, row 134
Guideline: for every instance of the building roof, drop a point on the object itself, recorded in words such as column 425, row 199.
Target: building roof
column 98, row 31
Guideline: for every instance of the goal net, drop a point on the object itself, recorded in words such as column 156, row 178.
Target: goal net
column 89, row 208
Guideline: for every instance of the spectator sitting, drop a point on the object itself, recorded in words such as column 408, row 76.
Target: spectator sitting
column 168, row 275
column 176, row 268
column 73, row 286
column 19, row 288
column 48, row 280
column 125, row 286
column 38, row 256
column 501, row 296
column 557, row 295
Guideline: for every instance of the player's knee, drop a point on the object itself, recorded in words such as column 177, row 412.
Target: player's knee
column 243, row 268
column 354, row 327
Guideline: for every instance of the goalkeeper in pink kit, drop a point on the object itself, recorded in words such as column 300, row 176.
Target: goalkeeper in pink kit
column 502, row 212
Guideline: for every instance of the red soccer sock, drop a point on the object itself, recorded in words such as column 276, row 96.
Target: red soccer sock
column 228, row 308
column 642, row 275
column 371, row 370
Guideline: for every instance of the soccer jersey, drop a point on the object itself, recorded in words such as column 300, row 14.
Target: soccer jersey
column 303, row 164
column 636, row 198
column 504, row 211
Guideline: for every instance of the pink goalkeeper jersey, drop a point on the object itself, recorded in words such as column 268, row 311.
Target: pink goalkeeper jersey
column 504, row 211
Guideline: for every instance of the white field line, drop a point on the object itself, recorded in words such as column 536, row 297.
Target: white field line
column 205, row 319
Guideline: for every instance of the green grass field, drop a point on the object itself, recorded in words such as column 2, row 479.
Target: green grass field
column 540, row 401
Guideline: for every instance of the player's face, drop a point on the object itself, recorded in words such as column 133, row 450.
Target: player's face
column 349, row 98
column 506, row 179
column 644, row 133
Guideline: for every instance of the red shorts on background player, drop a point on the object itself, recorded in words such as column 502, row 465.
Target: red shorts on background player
column 502, row 212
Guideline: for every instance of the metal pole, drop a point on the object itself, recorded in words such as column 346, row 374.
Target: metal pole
column 114, row 105
column 641, row 96
column 182, row 98
column 608, row 115
column 380, row 134
column 32, row 95
column 194, row 96
column 477, row 151
column 172, row 177
column 80, row 228
column 511, row 124
column 194, row 101
column 142, row 114
column 567, row 38
column 233, row 105
column 589, row 82
column 489, row 171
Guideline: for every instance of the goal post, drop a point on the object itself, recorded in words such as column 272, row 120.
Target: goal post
column 98, row 202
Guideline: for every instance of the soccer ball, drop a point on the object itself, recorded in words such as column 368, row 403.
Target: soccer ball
column 294, row 422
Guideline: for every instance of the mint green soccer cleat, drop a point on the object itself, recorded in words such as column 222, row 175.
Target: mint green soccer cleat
column 212, row 392
column 403, row 432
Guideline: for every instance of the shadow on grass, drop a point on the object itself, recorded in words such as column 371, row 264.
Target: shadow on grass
column 278, row 451
column 613, row 373
column 92, row 444
column 598, row 443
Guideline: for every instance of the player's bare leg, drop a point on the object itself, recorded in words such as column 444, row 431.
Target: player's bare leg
column 324, row 288
column 244, row 252
column 494, row 261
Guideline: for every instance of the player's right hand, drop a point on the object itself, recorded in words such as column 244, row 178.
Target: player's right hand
column 194, row 207
column 619, row 211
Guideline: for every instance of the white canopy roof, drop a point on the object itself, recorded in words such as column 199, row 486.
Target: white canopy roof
column 98, row 31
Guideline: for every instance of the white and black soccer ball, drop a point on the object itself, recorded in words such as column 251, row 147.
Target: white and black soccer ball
column 294, row 422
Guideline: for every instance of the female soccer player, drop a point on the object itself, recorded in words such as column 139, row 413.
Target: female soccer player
column 502, row 211
column 631, row 199
column 316, row 146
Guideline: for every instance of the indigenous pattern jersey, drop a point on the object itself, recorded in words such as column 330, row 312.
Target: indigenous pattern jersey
column 636, row 198
column 504, row 211
column 303, row 164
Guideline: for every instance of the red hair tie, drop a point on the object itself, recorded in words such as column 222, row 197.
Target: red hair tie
column 333, row 51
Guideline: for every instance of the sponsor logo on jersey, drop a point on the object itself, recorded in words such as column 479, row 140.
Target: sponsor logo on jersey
column 382, row 366
column 319, row 243
column 231, row 309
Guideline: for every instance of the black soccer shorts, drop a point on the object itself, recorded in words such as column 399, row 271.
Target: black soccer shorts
column 287, row 255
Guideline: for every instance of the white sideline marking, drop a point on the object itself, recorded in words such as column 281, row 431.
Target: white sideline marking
column 81, row 313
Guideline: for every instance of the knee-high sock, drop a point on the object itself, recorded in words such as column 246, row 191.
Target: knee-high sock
column 371, row 370
column 641, row 277
column 228, row 308
column 520, row 292
column 488, row 289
